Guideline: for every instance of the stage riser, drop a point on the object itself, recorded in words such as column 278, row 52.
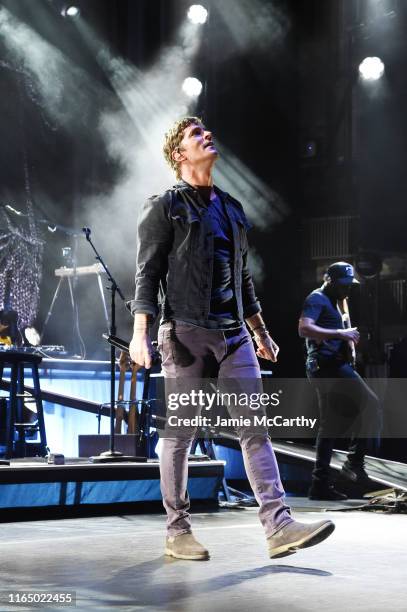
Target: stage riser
column 57, row 494
column 296, row 462
column 35, row 484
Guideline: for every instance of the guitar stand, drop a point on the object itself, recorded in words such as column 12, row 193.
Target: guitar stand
column 138, row 421
column 146, row 438
column 131, row 418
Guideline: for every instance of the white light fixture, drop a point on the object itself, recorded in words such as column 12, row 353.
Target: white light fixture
column 197, row 14
column 71, row 11
column 192, row 87
column 32, row 336
column 371, row 69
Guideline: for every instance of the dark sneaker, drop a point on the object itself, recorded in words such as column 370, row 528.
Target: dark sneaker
column 325, row 493
column 295, row 535
column 185, row 546
column 355, row 473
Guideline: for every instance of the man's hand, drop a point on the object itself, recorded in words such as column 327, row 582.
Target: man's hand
column 266, row 347
column 350, row 334
column 141, row 349
column 126, row 363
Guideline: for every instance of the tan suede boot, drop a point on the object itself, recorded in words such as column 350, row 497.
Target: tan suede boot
column 185, row 546
column 295, row 535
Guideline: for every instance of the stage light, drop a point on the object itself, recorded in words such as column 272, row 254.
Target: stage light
column 197, row 14
column 371, row 69
column 70, row 11
column 192, row 87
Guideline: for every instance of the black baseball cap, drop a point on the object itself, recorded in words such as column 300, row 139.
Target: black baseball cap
column 342, row 273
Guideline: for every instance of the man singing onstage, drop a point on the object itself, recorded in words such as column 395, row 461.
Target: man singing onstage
column 192, row 243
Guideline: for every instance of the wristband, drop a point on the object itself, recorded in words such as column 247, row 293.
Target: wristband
column 262, row 334
column 261, row 326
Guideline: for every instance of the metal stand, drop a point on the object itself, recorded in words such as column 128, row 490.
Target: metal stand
column 74, row 306
column 79, row 347
column 111, row 455
column 51, row 308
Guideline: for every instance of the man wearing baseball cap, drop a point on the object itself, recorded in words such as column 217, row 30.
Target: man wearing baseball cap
column 346, row 404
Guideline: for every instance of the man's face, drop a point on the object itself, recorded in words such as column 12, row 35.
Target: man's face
column 197, row 147
column 341, row 291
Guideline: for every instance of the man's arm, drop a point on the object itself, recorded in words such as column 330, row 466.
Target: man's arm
column 266, row 347
column 307, row 328
column 154, row 242
column 155, row 238
column 251, row 305
column 140, row 348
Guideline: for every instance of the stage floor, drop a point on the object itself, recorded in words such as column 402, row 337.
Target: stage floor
column 118, row 563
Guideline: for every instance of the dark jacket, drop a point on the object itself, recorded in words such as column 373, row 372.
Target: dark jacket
column 175, row 255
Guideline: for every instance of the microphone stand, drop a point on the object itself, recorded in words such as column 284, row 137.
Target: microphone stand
column 111, row 455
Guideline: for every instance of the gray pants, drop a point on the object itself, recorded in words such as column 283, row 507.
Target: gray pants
column 188, row 351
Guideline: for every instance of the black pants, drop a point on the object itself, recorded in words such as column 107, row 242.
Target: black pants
column 348, row 409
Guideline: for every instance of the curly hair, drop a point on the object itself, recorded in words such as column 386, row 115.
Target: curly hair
column 172, row 140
